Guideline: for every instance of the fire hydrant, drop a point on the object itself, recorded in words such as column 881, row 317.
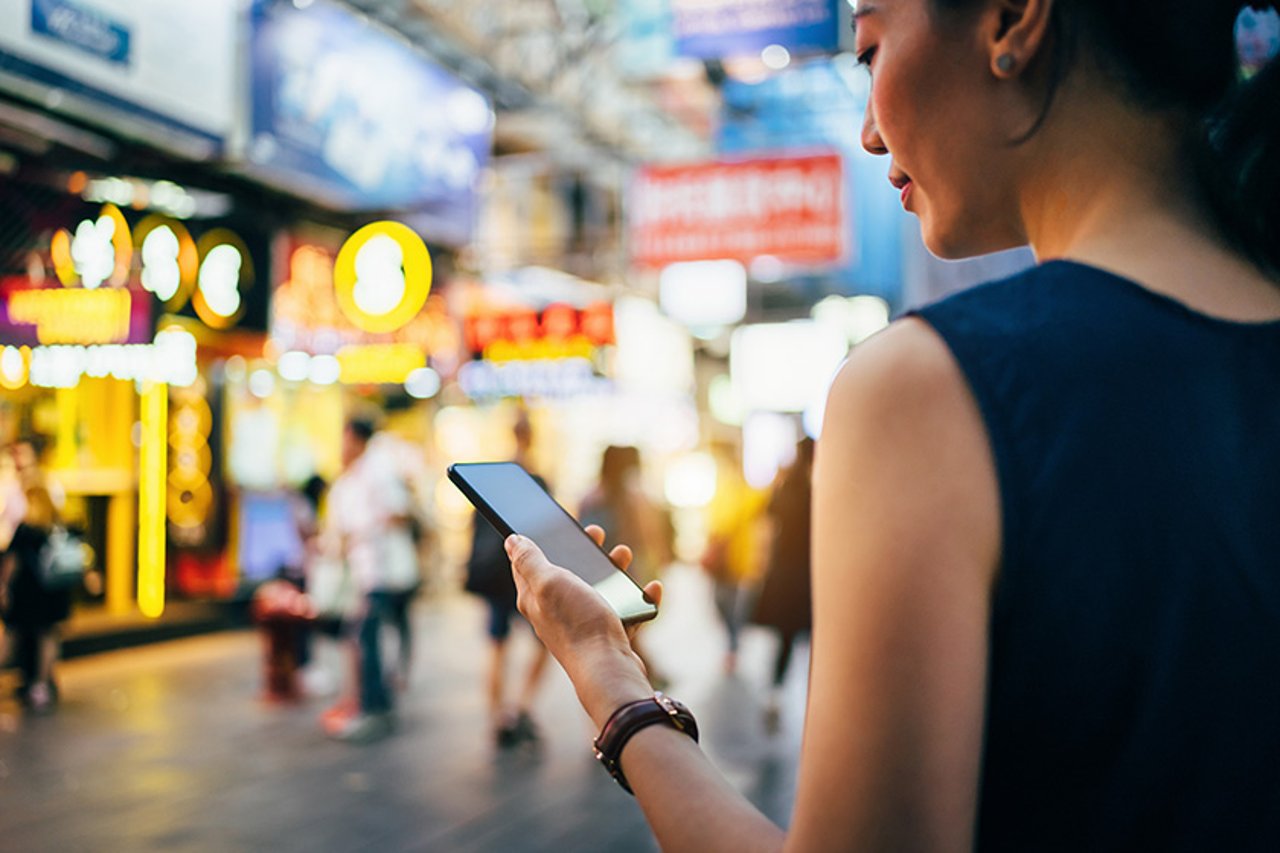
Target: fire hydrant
column 281, row 609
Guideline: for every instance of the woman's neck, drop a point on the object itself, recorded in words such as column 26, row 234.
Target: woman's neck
column 1112, row 189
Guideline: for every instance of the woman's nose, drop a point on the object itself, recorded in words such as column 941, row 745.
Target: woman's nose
column 871, row 140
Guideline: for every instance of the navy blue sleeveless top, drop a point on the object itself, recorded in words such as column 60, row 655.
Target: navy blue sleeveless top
column 1134, row 677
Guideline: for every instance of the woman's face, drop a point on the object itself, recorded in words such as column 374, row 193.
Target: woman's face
column 946, row 121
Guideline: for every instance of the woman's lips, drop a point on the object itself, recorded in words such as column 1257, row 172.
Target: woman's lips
column 902, row 183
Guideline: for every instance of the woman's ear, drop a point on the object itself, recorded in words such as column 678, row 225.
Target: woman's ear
column 1017, row 31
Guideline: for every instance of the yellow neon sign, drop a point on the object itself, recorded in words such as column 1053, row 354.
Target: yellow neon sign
column 170, row 260
column 15, row 367
column 152, row 492
column 382, row 276
column 98, row 252
column 226, row 272
column 74, row 316
column 373, row 364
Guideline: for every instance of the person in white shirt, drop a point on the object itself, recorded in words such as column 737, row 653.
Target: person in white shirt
column 368, row 513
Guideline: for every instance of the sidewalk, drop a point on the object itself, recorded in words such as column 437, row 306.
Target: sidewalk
column 168, row 747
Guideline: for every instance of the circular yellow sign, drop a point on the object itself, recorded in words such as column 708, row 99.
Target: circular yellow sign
column 109, row 230
column 169, row 260
column 382, row 276
column 225, row 274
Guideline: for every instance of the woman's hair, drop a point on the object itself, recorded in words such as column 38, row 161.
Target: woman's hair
column 1181, row 57
column 41, row 511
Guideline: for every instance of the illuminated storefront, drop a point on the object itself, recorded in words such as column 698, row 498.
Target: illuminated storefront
column 100, row 365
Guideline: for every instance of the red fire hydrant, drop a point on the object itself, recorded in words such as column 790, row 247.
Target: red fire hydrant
column 281, row 609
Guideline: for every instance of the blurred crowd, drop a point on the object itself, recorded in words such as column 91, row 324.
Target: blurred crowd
column 339, row 609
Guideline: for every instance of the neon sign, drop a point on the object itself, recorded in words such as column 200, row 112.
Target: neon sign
column 170, row 260
column 74, row 316
column 560, row 331
column 99, row 252
column 170, row 359
column 226, row 271
column 372, row 364
column 382, row 276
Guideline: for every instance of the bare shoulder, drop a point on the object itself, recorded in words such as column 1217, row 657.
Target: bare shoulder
column 905, row 542
column 907, row 363
column 901, row 415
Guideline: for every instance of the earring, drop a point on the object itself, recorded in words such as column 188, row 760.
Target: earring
column 1005, row 63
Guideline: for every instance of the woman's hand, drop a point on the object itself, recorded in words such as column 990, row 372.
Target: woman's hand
column 579, row 627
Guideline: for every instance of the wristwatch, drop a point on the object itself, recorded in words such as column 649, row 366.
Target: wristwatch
column 624, row 723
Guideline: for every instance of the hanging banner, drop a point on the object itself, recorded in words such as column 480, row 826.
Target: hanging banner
column 710, row 29
column 791, row 208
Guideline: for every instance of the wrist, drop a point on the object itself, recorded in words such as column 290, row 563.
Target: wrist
column 630, row 720
column 608, row 678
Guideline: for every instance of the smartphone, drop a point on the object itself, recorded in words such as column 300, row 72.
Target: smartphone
column 513, row 502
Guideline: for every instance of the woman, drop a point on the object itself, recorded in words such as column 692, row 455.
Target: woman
column 31, row 610
column 1046, row 593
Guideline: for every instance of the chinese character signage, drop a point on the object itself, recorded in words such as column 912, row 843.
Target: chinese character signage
column 791, row 208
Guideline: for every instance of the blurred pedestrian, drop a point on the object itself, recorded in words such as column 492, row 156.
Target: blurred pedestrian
column 783, row 602
column 31, row 607
column 1045, row 571
column 619, row 505
column 733, row 556
column 13, row 499
column 368, row 510
column 489, row 576
column 304, row 507
column 400, row 462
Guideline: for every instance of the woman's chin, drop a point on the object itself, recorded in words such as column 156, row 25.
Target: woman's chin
column 956, row 244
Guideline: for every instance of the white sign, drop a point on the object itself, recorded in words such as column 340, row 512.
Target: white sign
column 171, row 359
column 704, row 294
column 134, row 60
column 785, row 367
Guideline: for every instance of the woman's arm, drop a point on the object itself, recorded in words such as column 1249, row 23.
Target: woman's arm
column 906, row 540
column 906, row 536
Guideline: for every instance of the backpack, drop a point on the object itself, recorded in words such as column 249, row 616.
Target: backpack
column 63, row 559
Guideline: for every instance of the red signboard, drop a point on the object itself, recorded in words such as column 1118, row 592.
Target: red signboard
column 791, row 208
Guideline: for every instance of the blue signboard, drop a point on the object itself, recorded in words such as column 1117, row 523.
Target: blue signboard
column 352, row 116
column 707, row 29
column 82, row 27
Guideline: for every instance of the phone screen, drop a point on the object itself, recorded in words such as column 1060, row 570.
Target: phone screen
column 513, row 502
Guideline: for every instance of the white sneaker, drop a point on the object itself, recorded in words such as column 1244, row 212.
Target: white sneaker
column 365, row 728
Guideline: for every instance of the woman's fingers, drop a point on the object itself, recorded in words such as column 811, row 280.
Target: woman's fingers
column 526, row 557
column 621, row 556
column 653, row 592
column 596, row 532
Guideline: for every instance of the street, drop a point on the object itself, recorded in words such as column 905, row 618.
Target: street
column 171, row 747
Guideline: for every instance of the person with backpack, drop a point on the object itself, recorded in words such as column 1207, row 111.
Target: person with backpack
column 34, row 601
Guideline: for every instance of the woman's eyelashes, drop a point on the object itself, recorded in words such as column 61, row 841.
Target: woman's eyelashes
column 864, row 58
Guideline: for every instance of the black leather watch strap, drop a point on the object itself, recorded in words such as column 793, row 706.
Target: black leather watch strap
column 625, row 722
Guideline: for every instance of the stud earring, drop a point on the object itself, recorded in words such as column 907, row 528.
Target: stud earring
column 1005, row 63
